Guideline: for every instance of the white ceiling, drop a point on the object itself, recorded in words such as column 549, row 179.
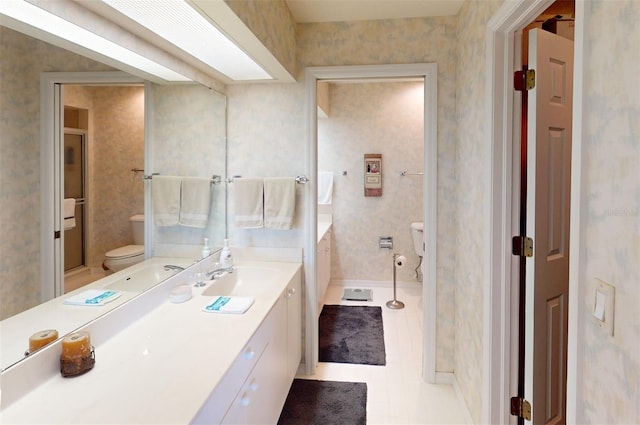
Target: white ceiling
column 306, row 11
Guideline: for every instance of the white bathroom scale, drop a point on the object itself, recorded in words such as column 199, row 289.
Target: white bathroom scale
column 357, row 294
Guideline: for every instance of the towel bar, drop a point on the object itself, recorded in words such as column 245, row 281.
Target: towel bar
column 299, row 179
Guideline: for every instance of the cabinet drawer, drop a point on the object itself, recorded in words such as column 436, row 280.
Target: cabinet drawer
column 219, row 401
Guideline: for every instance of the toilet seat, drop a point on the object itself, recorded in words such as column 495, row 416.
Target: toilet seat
column 125, row 252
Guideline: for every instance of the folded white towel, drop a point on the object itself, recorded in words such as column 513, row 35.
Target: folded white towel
column 325, row 187
column 69, row 223
column 93, row 297
column 233, row 305
column 69, row 207
column 279, row 202
column 165, row 191
column 195, row 201
column 248, row 202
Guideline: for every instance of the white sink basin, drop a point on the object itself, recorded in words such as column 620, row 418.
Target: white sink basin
column 143, row 279
column 243, row 281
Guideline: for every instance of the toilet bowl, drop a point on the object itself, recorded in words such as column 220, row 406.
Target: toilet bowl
column 417, row 230
column 125, row 256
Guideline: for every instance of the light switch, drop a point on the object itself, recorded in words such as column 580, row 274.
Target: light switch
column 604, row 306
column 598, row 311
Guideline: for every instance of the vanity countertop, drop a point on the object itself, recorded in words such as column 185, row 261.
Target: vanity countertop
column 160, row 369
column 324, row 224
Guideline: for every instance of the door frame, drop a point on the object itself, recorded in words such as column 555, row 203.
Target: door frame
column 500, row 301
column 428, row 71
column 51, row 130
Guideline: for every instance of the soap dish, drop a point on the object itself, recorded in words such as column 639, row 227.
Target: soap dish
column 180, row 294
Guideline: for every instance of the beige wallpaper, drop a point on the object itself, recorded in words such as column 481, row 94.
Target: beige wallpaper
column 609, row 366
column 271, row 22
column 23, row 59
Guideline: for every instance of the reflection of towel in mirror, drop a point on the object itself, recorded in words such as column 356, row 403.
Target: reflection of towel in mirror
column 325, row 187
column 247, row 202
column 165, row 192
column 279, row 202
column 69, row 213
column 195, row 201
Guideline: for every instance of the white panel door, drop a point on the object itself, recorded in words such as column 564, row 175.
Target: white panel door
column 548, row 193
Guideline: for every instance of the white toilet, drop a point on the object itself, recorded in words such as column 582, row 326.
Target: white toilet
column 417, row 230
column 125, row 256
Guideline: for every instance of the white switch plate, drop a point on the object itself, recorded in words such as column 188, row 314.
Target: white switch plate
column 604, row 306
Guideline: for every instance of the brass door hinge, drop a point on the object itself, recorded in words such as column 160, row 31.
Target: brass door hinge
column 522, row 246
column 521, row 408
column 524, row 80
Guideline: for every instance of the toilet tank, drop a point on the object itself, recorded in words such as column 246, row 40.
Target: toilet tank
column 137, row 227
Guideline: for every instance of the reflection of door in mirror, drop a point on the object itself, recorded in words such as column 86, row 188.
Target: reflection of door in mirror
column 99, row 174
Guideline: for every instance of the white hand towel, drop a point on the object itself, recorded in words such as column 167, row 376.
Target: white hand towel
column 248, row 203
column 69, row 213
column 279, row 202
column 325, row 187
column 165, row 191
column 195, row 201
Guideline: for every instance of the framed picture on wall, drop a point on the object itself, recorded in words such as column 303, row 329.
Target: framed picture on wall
column 373, row 174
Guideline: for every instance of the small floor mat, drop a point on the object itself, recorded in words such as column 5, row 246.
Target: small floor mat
column 357, row 294
column 325, row 403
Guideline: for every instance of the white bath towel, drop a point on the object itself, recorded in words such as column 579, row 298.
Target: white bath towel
column 325, row 187
column 248, row 202
column 279, row 202
column 69, row 213
column 165, row 192
column 195, row 201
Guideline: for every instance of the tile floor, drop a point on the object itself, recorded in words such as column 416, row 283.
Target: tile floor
column 75, row 280
column 396, row 392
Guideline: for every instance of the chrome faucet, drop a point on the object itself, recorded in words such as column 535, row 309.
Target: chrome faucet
column 219, row 272
column 174, row 268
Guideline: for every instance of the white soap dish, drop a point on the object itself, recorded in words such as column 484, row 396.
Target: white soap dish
column 180, row 294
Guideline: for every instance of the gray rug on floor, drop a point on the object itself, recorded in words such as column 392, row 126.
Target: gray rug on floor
column 351, row 334
column 325, row 403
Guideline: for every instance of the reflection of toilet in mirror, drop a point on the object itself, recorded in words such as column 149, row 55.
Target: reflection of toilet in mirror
column 125, row 256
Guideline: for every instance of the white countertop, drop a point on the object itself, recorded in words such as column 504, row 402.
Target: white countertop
column 324, row 224
column 159, row 369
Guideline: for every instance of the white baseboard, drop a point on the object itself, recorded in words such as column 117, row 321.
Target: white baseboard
column 373, row 283
column 449, row 378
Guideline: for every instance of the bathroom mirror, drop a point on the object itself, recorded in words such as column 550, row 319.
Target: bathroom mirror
column 187, row 125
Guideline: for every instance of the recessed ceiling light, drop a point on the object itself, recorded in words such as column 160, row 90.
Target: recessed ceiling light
column 41, row 20
column 181, row 25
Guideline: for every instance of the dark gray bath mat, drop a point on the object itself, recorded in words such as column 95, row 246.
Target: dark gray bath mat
column 325, row 403
column 357, row 294
column 351, row 334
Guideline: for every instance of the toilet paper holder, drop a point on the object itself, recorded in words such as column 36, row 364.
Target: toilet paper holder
column 386, row 242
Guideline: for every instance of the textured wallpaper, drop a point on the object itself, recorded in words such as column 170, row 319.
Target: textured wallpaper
column 373, row 118
column 188, row 137
column 610, row 227
column 23, row 59
column 468, row 214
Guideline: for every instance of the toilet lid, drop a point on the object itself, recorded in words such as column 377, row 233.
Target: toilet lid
column 126, row 251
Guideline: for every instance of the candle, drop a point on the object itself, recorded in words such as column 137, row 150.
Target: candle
column 76, row 346
column 42, row 338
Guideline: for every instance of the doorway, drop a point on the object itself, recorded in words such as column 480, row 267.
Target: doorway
column 429, row 73
column 52, row 166
column 504, row 56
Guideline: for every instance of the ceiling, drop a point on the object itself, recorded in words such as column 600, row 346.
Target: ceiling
column 307, row 11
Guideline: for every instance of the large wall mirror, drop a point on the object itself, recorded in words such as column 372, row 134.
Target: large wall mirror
column 117, row 137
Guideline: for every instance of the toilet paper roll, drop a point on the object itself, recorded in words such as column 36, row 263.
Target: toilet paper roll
column 400, row 261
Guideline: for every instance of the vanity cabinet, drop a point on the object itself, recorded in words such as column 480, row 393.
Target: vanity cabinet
column 254, row 389
column 323, row 258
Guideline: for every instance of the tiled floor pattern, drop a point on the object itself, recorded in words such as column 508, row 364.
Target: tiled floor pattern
column 396, row 392
column 75, row 280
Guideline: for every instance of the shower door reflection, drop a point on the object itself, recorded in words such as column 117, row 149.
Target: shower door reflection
column 74, row 187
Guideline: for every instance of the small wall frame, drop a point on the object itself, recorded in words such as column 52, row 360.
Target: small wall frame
column 372, row 174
